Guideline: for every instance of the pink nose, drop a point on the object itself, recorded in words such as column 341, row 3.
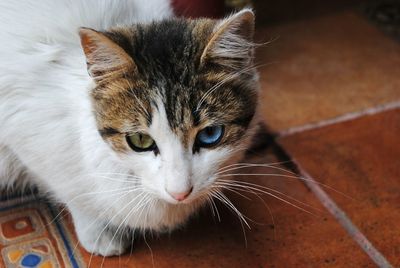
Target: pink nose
column 180, row 196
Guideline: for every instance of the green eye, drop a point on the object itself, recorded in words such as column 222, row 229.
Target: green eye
column 140, row 142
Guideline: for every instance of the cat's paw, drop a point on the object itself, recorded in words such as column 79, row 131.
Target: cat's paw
column 104, row 244
column 97, row 238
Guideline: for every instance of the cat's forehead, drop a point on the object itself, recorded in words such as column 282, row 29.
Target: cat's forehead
column 169, row 49
column 184, row 108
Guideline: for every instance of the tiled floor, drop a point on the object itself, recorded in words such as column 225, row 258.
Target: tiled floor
column 331, row 97
column 326, row 67
column 362, row 159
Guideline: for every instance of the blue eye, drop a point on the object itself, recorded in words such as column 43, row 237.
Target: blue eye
column 210, row 136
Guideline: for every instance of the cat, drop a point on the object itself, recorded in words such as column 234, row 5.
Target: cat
column 121, row 111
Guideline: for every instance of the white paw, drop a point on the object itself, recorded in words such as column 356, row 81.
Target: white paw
column 96, row 238
column 105, row 244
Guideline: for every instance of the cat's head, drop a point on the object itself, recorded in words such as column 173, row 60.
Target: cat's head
column 175, row 100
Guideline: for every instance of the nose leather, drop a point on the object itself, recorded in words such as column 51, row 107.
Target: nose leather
column 181, row 196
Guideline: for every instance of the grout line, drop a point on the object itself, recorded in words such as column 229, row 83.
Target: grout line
column 342, row 118
column 343, row 219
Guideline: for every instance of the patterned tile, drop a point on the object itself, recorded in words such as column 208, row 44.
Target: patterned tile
column 30, row 238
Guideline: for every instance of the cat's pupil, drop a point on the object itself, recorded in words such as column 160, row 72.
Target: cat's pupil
column 210, row 131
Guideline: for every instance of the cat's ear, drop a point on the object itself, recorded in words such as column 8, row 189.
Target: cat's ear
column 105, row 59
column 231, row 43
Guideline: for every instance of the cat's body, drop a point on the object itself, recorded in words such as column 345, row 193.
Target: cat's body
column 64, row 130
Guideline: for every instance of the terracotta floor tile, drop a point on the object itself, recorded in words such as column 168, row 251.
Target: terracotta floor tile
column 325, row 67
column 294, row 239
column 362, row 159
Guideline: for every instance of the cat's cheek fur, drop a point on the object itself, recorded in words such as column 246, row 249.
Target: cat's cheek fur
column 212, row 159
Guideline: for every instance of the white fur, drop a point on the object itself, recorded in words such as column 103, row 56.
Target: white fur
column 48, row 129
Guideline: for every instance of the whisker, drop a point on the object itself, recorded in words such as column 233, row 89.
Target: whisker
column 145, row 241
column 246, row 187
column 141, row 204
column 289, row 177
column 101, row 215
column 256, row 187
column 216, row 208
column 152, row 202
column 254, row 165
column 129, row 180
column 244, row 164
column 242, row 220
column 110, row 221
column 219, row 195
column 210, row 206
column 116, row 173
column 151, row 206
column 269, row 211
column 117, row 192
column 242, row 195
column 233, row 191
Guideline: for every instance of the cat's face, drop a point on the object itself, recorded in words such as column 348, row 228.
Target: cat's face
column 175, row 99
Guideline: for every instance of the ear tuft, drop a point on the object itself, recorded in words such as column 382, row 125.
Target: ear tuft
column 104, row 57
column 231, row 44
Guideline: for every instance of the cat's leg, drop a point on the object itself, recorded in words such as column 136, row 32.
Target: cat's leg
column 12, row 171
column 96, row 237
